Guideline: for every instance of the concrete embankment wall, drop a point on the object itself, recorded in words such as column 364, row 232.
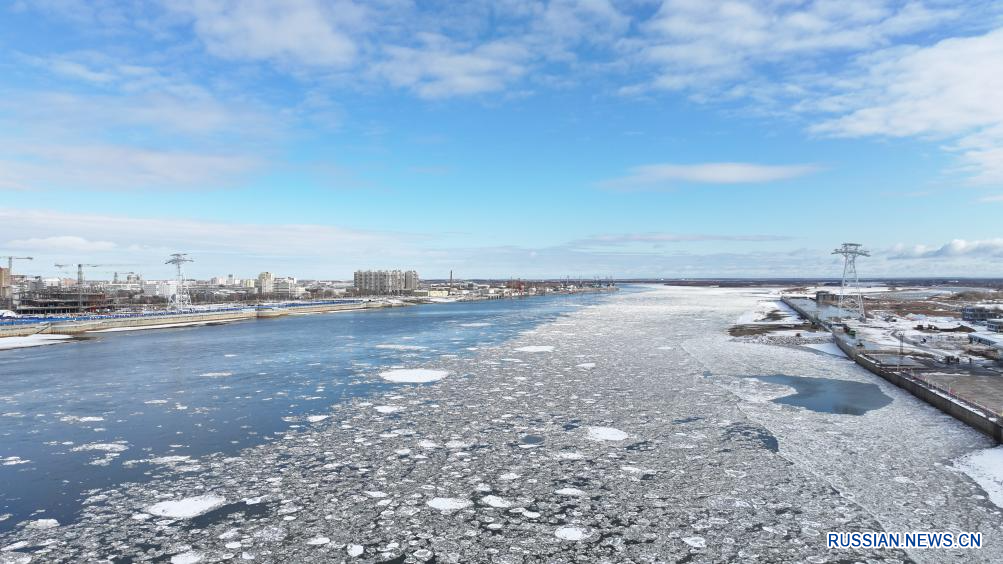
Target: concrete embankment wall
column 75, row 328
column 22, row 330
column 78, row 327
column 988, row 425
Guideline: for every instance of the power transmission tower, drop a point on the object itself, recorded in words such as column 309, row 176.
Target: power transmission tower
column 851, row 299
column 180, row 300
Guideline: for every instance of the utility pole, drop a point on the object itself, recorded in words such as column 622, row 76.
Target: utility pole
column 851, row 282
column 181, row 298
column 10, row 277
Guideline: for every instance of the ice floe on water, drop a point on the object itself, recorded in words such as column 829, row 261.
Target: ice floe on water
column 316, row 418
column 536, row 349
column 695, row 542
column 449, row 503
column 413, row 375
column 495, row 501
column 605, row 434
column 476, row 324
column 386, row 409
column 986, row 468
column 42, row 524
column 216, row 374
column 586, row 365
column 190, row 557
column 395, row 347
column 104, row 447
column 188, row 507
column 571, row 533
column 13, row 461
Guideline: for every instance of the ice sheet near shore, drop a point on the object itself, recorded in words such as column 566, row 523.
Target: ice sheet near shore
column 986, row 468
column 7, row 343
column 667, row 450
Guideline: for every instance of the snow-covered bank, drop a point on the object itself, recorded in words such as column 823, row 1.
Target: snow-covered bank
column 7, row 343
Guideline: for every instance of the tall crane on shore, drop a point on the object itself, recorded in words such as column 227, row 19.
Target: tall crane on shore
column 9, row 293
column 80, row 279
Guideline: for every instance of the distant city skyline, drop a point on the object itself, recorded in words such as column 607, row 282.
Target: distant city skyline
column 530, row 139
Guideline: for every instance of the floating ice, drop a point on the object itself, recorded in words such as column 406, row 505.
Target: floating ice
column 605, row 434
column 388, row 408
column 190, row 557
column 318, row 541
column 106, row 447
column 986, row 468
column 217, row 374
column 449, row 503
column 355, row 550
column 13, row 461
column 574, row 492
column 413, row 375
column 475, row 324
column 495, row 501
column 188, row 507
column 695, row 542
column 571, row 533
column 536, row 348
column 42, row 524
column 316, row 418
column 586, row 365
column 401, row 347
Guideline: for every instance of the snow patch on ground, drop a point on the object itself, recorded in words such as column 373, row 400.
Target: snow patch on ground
column 413, row 375
column 7, row 343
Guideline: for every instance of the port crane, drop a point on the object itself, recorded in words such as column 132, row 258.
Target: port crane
column 10, row 276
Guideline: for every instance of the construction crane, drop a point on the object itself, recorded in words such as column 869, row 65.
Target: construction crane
column 10, row 277
column 80, row 279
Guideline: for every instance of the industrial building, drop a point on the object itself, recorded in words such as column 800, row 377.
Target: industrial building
column 995, row 325
column 982, row 312
column 386, row 282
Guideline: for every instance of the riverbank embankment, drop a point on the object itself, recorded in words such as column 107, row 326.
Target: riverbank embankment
column 907, row 377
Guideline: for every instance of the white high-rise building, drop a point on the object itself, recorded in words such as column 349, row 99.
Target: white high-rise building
column 385, row 282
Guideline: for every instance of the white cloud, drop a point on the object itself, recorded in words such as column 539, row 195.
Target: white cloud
column 957, row 248
column 298, row 32
column 116, row 167
column 660, row 176
column 440, row 68
column 61, row 243
column 658, row 239
column 947, row 91
column 699, row 44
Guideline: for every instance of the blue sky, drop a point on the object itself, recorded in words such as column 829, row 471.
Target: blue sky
column 525, row 138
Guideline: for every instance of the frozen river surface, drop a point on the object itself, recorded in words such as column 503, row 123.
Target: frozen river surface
column 630, row 430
